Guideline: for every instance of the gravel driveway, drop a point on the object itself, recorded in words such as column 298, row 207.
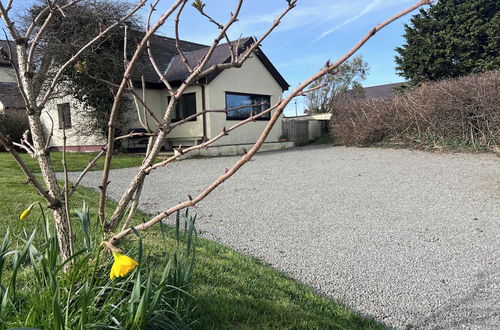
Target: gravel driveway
column 410, row 238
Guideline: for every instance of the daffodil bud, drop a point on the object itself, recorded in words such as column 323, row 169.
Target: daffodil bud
column 26, row 212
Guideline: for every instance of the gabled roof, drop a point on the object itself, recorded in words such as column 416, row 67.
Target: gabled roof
column 177, row 70
column 170, row 62
column 381, row 91
column 163, row 51
column 10, row 96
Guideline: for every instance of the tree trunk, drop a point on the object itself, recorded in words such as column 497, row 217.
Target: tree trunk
column 63, row 228
column 64, row 236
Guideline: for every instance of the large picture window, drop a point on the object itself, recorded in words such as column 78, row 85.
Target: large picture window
column 245, row 105
column 185, row 107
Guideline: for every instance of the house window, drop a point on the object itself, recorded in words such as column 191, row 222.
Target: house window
column 64, row 115
column 245, row 105
column 185, row 107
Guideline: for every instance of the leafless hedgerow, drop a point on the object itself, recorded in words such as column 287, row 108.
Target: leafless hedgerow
column 36, row 100
column 462, row 112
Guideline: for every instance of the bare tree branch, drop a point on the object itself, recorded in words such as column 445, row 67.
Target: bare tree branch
column 177, row 38
column 89, row 166
column 151, row 157
column 7, row 144
column 114, row 109
column 279, row 110
column 73, row 59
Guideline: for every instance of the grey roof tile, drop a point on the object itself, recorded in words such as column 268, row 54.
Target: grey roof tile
column 381, row 91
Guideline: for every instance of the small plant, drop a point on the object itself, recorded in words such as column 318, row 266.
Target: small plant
column 37, row 293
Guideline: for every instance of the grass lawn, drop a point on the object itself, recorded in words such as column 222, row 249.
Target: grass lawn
column 76, row 161
column 230, row 290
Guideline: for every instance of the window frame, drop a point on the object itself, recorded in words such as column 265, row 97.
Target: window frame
column 173, row 120
column 64, row 115
column 266, row 117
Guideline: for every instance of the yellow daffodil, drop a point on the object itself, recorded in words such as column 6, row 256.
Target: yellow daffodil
column 122, row 266
column 26, row 212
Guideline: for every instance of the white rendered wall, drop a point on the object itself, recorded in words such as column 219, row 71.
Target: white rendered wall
column 157, row 99
column 76, row 136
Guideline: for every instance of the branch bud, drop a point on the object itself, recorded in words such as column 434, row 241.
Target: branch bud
column 199, row 5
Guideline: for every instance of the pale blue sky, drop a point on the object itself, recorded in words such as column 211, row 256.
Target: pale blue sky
column 315, row 31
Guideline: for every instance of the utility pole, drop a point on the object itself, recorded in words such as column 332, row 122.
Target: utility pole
column 296, row 113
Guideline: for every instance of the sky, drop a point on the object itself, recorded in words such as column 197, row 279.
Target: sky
column 312, row 33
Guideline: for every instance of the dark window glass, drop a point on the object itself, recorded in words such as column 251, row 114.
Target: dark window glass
column 242, row 106
column 185, row 107
column 64, row 115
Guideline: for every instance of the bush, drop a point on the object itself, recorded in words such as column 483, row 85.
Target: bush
column 462, row 113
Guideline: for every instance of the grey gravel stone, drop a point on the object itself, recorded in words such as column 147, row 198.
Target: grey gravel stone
column 410, row 238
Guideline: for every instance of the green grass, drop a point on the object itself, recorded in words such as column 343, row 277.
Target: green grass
column 76, row 161
column 230, row 291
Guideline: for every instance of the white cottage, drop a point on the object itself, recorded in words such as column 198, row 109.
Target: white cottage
column 257, row 81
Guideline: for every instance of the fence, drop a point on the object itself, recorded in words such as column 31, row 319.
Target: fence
column 297, row 131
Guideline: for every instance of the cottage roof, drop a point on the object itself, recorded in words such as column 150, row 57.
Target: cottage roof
column 163, row 50
column 10, row 96
column 381, row 91
column 171, row 63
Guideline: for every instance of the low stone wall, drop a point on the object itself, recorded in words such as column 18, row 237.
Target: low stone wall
column 239, row 149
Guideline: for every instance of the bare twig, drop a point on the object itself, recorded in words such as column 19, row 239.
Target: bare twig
column 194, row 76
column 150, row 54
column 132, row 134
column 177, row 39
column 14, row 66
column 132, row 91
column 188, row 118
column 220, row 27
column 25, row 147
column 7, row 144
column 73, row 59
column 116, row 103
column 51, row 132
column 89, row 166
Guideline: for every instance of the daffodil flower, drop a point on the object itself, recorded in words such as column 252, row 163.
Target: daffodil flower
column 122, row 266
column 26, row 212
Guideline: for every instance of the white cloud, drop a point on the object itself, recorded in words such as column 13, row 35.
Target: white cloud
column 319, row 17
column 372, row 5
column 310, row 15
column 305, row 14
